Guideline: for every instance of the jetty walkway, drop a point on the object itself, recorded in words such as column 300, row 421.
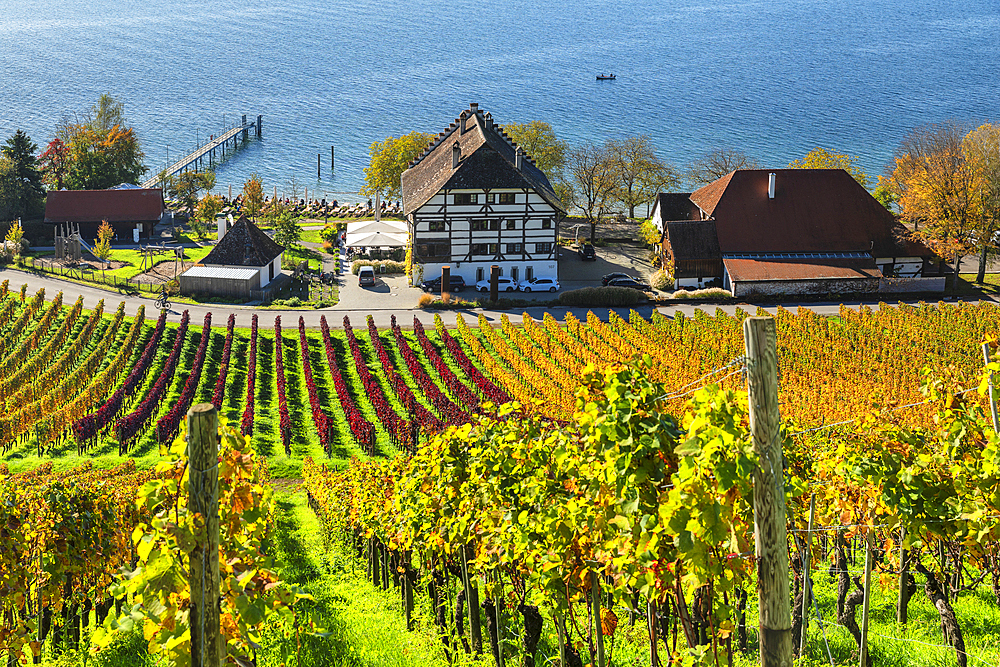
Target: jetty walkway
column 197, row 157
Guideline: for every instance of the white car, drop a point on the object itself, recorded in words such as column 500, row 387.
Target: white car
column 503, row 285
column 539, row 284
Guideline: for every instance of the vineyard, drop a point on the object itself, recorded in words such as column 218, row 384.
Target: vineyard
column 598, row 475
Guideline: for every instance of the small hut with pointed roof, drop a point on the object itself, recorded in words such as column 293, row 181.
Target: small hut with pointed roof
column 244, row 260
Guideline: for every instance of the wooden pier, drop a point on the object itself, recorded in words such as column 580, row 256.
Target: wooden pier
column 214, row 151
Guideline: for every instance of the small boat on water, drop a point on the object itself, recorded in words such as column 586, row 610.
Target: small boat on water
column 603, row 77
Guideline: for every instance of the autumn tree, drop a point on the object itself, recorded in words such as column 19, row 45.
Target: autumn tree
column 23, row 192
column 821, row 158
column 594, row 178
column 286, row 230
column 205, row 215
column 538, row 140
column 388, row 160
column 54, row 164
column 981, row 148
column 936, row 186
column 253, row 196
column 717, row 163
column 101, row 151
column 14, row 236
column 640, row 172
column 102, row 244
column 185, row 187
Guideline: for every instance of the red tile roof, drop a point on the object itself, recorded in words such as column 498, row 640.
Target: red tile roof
column 799, row 268
column 813, row 211
column 135, row 205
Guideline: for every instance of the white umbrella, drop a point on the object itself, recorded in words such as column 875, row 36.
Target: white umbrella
column 383, row 226
column 376, row 240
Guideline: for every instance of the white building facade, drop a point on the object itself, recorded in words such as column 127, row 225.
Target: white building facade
column 474, row 199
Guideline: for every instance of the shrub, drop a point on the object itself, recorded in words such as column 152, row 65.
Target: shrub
column 425, row 300
column 382, row 266
column 708, row 293
column 601, row 297
column 661, row 280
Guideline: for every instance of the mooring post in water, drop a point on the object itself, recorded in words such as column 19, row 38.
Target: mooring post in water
column 331, row 159
column 318, row 156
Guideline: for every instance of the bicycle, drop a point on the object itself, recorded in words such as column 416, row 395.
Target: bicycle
column 161, row 302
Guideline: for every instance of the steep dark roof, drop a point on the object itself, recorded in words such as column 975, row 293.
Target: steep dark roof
column 243, row 245
column 675, row 206
column 813, row 210
column 488, row 161
column 133, row 205
column 693, row 240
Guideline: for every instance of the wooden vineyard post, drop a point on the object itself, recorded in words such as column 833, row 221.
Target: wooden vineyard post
column 864, row 613
column 806, row 581
column 901, row 601
column 654, row 659
column 993, row 402
column 595, row 600
column 407, row 590
column 203, row 470
column 770, row 536
column 472, row 601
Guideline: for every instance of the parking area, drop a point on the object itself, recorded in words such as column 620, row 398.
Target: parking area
column 389, row 291
column 632, row 259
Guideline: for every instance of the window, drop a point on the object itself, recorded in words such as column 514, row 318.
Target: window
column 434, row 249
column 494, row 225
column 494, row 248
column 435, row 226
column 529, row 273
column 543, row 248
column 547, row 223
column 491, row 198
column 511, row 224
column 507, row 198
column 466, row 198
column 513, row 274
column 478, row 225
column 479, row 274
column 484, row 249
column 514, row 248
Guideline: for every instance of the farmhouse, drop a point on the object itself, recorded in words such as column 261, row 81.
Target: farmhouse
column 473, row 198
column 244, row 260
column 131, row 212
column 789, row 231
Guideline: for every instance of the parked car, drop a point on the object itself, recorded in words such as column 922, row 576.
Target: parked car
column 366, row 276
column 614, row 276
column 629, row 282
column 586, row 251
column 503, row 285
column 457, row 284
column 539, row 284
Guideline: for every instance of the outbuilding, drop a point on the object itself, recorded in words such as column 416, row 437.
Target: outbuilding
column 245, row 260
column 132, row 212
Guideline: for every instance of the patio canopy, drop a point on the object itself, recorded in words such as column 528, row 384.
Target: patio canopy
column 376, row 240
column 379, row 226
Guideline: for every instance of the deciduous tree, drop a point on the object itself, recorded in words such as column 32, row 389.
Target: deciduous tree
column 982, row 151
column 204, row 216
column 594, row 179
column 186, row 186
column 286, row 229
column 100, row 152
column 539, row 141
column 253, row 196
column 821, row 158
column 717, row 163
column 388, row 160
column 102, row 244
column 936, row 188
column 54, row 163
column 639, row 171
column 24, row 192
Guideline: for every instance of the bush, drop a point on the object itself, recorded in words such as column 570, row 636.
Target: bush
column 661, row 280
column 425, row 300
column 601, row 297
column 382, row 266
column 708, row 293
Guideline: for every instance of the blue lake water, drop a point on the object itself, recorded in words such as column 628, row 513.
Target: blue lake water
column 773, row 79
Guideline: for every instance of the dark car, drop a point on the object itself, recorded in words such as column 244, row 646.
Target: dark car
column 457, row 284
column 614, row 276
column 629, row 282
column 586, row 252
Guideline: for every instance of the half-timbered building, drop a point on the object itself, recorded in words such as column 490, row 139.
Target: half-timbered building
column 473, row 198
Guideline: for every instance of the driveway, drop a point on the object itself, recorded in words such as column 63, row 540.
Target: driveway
column 626, row 258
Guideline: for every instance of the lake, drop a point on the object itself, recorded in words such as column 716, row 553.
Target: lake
column 773, row 79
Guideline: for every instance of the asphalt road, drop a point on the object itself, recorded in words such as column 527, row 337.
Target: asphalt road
column 358, row 313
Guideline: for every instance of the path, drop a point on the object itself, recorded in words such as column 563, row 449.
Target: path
column 358, row 313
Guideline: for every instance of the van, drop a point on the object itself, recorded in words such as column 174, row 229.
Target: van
column 366, row 276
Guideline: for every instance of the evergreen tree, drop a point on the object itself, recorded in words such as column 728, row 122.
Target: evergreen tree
column 24, row 189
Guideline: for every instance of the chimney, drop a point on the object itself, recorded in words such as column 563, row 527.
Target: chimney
column 461, row 123
column 474, row 107
column 518, row 158
column 770, row 185
column 456, row 155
